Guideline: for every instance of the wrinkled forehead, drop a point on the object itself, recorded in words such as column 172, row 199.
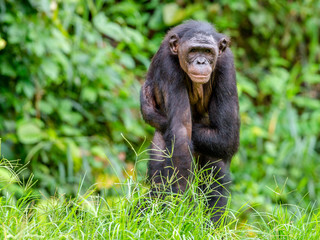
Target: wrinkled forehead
column 201, row 38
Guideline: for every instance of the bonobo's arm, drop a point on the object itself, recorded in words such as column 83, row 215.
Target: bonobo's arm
column 149, row 111
column 221, row 138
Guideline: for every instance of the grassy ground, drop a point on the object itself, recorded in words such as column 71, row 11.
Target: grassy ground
column 94, row 217
column 133, row 215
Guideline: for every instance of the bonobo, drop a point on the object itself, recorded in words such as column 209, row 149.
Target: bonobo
column 190, row 98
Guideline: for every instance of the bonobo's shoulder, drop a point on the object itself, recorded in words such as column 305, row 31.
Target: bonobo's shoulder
column 227, row 53
column 226, row 60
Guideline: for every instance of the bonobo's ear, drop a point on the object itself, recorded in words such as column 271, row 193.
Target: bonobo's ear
column 173, row 41
column 223, row 44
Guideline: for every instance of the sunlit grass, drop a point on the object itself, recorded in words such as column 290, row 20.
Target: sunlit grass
column 134, row 215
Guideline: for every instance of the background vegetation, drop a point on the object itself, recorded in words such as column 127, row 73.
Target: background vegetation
column 71, row 70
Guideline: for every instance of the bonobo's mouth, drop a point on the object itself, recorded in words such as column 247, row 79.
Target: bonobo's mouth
column 200, row 78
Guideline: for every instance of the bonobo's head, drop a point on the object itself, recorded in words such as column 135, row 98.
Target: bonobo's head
column 198, row 52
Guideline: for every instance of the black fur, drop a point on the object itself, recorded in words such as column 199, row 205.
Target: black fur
column 211, row 136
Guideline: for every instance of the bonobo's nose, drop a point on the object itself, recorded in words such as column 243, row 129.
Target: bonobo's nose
column 201, row 60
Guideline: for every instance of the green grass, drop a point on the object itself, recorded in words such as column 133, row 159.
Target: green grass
column 94, row 217
column 133, row 215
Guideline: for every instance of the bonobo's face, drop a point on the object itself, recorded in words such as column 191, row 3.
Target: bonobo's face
column 198, row 55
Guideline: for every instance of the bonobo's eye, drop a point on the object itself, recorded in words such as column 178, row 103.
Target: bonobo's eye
column 207, row 51
column 193, row 50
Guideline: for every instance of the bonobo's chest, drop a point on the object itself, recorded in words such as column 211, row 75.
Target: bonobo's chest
column 199, row 97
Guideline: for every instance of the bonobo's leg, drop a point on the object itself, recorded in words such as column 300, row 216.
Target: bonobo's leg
column 156, row 164
column 216, row 180
column 178, row 139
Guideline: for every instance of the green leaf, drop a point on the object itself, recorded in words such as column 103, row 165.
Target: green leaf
column 306, row 102
column 246, row 85
column 127, row 61
column 26, row 87
column 29, row 133
column 155, row 21
column 133, row 36
column 6, row 176
column 89, row 94
column 7, row 70
column 17, row 33
column 110, row 29
column 45, row 107
column 50, row 68
column 172, row 14
column 41, row 5
column 61, row 41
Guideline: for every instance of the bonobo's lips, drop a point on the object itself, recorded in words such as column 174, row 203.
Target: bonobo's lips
column 200, row 78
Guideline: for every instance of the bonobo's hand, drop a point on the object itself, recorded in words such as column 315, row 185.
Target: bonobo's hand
column 196, row 131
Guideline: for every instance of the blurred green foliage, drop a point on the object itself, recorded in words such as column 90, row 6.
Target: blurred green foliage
column 70, row 74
